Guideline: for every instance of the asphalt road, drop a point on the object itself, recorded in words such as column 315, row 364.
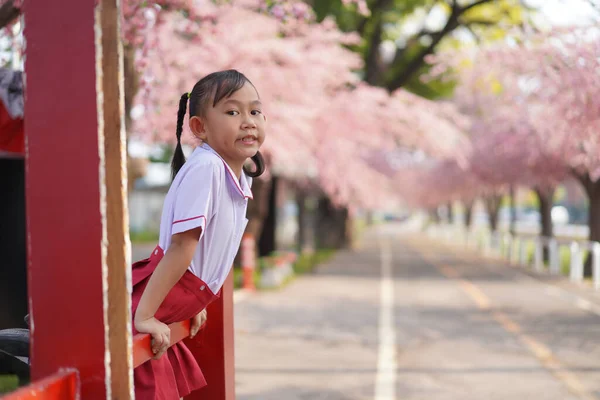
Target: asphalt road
column 403, row 317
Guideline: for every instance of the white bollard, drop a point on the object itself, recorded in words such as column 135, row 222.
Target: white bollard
column 554, row 257
column 485, row 243
column 514, row 250
column 493, row 244
column 507, row 246
column 596, row 265
column 522, row 253
column 576, row 265
column 538, row 262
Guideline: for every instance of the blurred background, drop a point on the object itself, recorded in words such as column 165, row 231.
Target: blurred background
column 476, row 113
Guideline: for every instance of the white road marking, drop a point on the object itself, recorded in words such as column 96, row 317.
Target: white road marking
column 385, row 384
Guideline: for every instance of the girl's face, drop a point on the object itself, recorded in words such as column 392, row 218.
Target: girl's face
column 234, row 128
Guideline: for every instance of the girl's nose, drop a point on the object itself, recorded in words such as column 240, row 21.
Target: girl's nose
column 248, row 122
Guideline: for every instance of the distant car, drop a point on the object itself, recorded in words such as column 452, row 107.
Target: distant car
column 560, row 215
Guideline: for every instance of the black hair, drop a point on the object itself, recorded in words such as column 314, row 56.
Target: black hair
column 222, row 84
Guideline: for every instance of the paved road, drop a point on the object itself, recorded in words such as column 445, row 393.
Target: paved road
column 405, row 318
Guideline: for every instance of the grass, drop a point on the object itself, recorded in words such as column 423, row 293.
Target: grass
column 144, row 236
column 304, row 264
column 564, row 256
column 238, row 276
column 8, row 383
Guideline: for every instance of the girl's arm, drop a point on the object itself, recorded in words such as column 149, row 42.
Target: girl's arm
column 167, row 273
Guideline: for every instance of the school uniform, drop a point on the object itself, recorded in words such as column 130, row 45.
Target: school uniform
column 205, row 193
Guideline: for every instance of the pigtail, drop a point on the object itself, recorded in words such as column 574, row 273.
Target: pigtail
column 178, row 156
column 259, row 163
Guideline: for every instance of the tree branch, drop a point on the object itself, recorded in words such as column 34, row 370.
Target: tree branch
column 372, row 58
column 473, row 5
column 417, row 62
column 472, row 32
column 484, row 22
column 8, row 13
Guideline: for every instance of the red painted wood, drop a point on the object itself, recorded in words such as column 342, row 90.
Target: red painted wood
column 63, row 197
column 214, row 348
column 142, row 350
column 63, row 385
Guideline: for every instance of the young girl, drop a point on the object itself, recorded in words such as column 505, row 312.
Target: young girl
column 204, row 217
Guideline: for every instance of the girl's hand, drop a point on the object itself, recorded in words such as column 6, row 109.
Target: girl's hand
column 161, row 335
column 197, row 322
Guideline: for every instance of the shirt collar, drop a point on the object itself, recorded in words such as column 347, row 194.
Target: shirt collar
column 242, row 184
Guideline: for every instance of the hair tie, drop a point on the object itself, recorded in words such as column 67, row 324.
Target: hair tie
column 189, row 94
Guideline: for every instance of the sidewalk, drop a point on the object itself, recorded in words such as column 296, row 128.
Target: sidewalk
column 457, row 328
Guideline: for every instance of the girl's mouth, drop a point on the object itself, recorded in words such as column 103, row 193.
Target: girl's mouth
column 249, row 139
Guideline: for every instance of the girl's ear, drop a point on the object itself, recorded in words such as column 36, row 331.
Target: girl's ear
column 198, row 128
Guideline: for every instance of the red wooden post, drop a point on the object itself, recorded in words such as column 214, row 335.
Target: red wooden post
column 214, row 348
column 67, row 118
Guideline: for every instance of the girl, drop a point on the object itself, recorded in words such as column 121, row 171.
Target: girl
column 204, row 217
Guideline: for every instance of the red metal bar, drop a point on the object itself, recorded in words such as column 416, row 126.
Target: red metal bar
column 63, row 385
column 64, row 221
column 214, row 348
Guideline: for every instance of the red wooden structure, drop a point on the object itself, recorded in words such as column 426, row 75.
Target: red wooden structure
column 78, row 260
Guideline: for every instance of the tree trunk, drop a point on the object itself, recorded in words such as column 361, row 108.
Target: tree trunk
column 301, row 203
column 545, row 197
column 468, row 214
column 450, row 213
column 592, row 188
column 513, row 211
column 346, row 228
column 136, row 167
column 433, row 215
column 372, row 62
column 258, row 207
column 332, row 225
column 492, row 205
column 267, row 242
column 593, row 222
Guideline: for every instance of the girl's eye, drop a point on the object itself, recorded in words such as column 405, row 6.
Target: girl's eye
column 232, row 112
column 256, row 112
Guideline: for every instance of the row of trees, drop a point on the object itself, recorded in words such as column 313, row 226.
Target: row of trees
column 533, row 107
column 327, row 127
column 337, row 110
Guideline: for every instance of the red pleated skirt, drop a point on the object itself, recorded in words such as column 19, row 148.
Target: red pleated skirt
column 176, row 374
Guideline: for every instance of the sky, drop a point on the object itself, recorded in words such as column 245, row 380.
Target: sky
column 566, row 12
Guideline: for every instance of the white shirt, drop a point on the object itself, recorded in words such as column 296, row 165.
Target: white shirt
column 206, row 193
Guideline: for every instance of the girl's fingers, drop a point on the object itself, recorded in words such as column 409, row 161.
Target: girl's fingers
column 165, row 342
column 157, row 342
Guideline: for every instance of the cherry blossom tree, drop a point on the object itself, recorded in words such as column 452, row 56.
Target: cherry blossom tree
column 534, row 104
